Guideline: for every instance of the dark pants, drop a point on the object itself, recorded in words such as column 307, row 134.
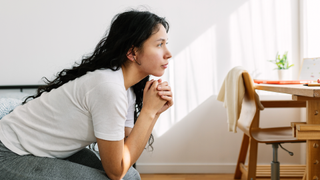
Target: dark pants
column 83, row 165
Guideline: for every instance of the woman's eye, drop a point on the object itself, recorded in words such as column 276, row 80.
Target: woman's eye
column 160, row 45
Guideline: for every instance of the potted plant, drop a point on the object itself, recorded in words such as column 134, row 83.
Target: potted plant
column 283, row 66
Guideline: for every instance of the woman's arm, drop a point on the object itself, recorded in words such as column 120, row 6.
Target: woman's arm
column 118, row 156
column 127, row 131
column 164, row 91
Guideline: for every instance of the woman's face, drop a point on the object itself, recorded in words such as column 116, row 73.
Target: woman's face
column 154, row 55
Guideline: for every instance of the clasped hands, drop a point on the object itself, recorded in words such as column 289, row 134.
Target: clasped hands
column 158, row 95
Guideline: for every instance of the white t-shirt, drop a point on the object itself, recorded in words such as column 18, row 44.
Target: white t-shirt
column 65, row 120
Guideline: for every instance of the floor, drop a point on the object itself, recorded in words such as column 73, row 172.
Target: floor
column 197, row 177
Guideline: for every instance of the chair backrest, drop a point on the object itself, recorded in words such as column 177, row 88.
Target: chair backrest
column 249, row 114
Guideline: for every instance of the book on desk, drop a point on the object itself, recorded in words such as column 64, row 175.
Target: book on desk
column 282, row 81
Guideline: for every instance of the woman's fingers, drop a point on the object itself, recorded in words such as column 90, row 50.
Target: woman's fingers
column 165, row 93
column 164, row 90
column 154, row 85
column 152, row 102
column 167, row 98
column 163, row 86
column 147, row 86
column 170, row 102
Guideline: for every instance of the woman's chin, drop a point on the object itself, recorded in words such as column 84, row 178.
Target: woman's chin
column 158, row 74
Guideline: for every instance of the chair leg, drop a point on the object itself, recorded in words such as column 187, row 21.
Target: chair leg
column 242, row 156
column 252, row 161
column 275, row 165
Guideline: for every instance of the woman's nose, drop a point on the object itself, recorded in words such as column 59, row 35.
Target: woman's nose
column 168, row 54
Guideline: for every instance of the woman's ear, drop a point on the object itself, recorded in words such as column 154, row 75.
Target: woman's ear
column 131, row 54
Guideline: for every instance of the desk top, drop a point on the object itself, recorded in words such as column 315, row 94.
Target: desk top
column 300, row 90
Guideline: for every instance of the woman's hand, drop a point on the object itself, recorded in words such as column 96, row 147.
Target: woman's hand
column 164, row 91
column 152, row 101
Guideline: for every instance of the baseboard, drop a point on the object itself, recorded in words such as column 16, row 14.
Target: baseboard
column 148, row 168
column 215, row 168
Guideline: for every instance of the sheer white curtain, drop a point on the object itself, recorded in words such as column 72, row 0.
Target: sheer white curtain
column 310, row 28
column 247, row 37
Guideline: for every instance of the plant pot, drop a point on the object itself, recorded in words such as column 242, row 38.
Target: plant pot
column 284, row 74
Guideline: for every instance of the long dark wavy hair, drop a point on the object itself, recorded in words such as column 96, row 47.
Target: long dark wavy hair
column 128, row 30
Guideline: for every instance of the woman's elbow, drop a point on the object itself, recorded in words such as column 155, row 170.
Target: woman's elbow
column 114, row 175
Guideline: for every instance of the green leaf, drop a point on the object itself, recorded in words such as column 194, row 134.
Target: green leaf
column 281, row 62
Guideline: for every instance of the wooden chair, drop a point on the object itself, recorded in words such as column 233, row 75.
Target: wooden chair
column 249, row 123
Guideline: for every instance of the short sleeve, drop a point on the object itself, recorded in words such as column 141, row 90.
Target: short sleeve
column 108, row 105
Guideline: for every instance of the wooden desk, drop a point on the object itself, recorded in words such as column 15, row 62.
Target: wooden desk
column 311, row 95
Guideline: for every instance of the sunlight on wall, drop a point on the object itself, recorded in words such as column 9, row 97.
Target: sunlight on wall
column 252, row 34
column 192, row 74
column 258, row 30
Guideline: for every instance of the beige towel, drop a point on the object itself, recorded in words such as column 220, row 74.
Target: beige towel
column 232, row 93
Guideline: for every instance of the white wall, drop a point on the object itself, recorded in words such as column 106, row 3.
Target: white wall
column 199, row 142
column 38, row 38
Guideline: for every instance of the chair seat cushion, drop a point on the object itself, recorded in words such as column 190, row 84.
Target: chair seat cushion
column 274, row 135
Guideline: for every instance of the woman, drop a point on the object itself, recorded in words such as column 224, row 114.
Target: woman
column 95, row 101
